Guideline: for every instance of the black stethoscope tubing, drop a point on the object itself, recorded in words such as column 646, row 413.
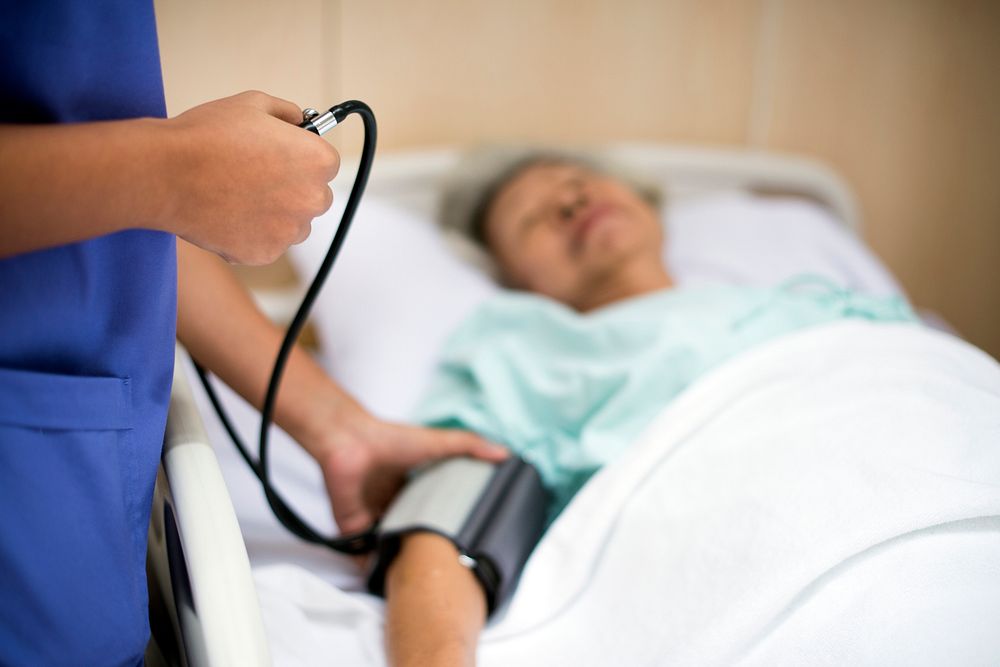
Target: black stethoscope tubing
column 357, row 543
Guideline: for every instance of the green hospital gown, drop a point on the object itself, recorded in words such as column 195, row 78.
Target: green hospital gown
column 570, row 391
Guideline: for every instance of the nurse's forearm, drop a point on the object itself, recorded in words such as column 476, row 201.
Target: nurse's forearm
column 234, row 176
column 223, row 329
column 66, row 183
column 435, row 608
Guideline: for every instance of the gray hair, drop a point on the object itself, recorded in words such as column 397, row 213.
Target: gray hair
column 469, row 191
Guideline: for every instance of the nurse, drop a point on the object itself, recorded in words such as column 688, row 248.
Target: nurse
column 112, row 222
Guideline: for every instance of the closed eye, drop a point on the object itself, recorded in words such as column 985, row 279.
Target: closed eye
column 529, row 222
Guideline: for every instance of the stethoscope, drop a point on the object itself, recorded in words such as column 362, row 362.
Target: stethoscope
column 358, row 543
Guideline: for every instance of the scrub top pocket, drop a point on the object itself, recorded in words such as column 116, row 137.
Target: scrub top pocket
column 72, row 557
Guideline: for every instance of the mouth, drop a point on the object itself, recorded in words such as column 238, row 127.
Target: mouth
column 587, row 223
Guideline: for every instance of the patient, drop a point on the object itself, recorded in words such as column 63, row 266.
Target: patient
column 568, row 369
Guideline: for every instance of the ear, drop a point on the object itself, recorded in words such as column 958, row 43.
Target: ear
column 501, row 273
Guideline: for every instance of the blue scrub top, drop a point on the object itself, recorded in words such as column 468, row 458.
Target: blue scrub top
column 86, row 359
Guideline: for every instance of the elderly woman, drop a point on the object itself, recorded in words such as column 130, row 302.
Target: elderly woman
column 570, row 366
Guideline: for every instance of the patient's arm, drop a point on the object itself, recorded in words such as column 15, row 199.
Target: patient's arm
column 435, row 606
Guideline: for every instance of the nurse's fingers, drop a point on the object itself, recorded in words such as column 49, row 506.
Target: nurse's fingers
column 440, row 443
column 362, row 477
column 274, row 106
column 346, row 477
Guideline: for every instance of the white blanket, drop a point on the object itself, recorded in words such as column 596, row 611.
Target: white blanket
column 830, row 497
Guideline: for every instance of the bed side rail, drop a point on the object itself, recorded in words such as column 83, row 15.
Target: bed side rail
column 197, row 559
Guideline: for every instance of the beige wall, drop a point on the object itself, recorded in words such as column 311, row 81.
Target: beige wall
column 902, row 97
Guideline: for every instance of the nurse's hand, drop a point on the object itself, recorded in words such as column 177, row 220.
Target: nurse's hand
column 241, row 180
column 365, row 460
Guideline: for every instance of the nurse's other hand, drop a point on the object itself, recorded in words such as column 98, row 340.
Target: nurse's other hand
column 242, row 180
column 365, row 461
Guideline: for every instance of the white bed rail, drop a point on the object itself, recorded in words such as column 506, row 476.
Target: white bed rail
column 197, row 558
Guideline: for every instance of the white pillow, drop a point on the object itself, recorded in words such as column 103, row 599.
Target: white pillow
column 741, row 239
column 392, row 298
column 397, row 291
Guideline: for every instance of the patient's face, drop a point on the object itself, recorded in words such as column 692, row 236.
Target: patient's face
column 564, row 231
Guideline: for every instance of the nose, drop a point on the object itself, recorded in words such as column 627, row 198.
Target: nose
column 572, row 201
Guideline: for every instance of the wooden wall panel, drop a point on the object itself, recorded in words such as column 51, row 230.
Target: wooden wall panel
column 903, row 98
column 217, row 48
column 460, row 72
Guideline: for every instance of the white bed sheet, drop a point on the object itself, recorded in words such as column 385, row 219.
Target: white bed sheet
column 831, row 497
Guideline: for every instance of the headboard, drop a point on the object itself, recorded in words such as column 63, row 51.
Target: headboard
column 411, row 179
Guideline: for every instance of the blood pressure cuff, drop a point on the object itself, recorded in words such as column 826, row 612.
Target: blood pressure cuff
column 493, row 513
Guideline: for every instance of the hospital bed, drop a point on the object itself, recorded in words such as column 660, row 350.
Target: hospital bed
column 204, row 548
